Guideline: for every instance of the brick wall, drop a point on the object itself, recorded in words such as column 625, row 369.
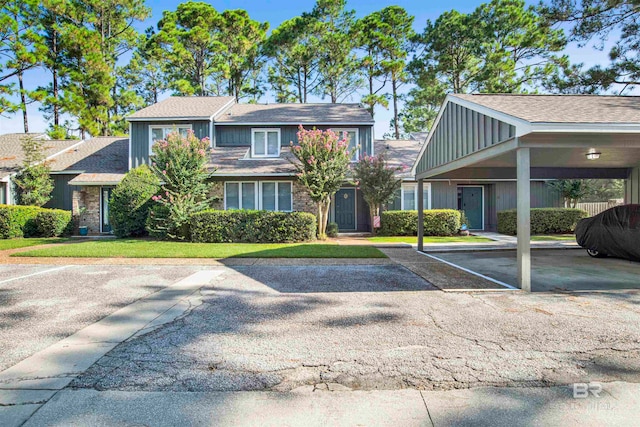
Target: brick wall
column 217, row 191
column 301, row 200
column 88, row 198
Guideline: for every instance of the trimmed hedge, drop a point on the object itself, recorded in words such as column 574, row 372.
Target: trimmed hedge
column 437, row 222
column 53, row 223
column 543, row 220
column 245, row 226
column 33, row 221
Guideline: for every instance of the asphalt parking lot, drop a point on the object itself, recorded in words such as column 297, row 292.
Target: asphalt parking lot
column 42, row 304
column 553, row 269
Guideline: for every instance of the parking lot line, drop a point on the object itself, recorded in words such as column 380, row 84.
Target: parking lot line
column 506, row 285
column 34, row 274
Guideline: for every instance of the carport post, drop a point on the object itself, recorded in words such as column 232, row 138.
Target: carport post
column 420, row 215
column 523, row 204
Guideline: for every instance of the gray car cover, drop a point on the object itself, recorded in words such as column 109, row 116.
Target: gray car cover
column 614, row 232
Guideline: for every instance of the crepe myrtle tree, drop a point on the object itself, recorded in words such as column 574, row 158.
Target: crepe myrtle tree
column 180, row 163
column 323, row 159
column 377, row 182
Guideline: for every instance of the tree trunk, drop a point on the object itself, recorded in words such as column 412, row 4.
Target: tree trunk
column 23, row 103
column 396, row 125
column 320, row 213
column 56, row 108
column 373, row 211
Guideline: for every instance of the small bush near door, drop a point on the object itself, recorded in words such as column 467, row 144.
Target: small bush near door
column 244, row 226
column 543, row 220
column 437, row 222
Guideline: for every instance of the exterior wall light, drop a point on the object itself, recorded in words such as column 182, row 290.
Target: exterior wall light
column 593, row 154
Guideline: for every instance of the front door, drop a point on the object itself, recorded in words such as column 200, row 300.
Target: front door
column 105, row 225
column 346, row 209
column 470, row 201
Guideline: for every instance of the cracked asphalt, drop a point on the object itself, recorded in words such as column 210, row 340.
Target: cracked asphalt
column 285, row 328
column 40, row 305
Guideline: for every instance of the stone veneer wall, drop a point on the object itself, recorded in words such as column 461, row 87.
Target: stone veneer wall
column 89, row 198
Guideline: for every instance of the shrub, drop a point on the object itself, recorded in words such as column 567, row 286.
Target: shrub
column 131, row 200
column 17, row 221
column 332, row 229
column 543, row 220
column 213, row 226
column 437, row 222
column 53, row 223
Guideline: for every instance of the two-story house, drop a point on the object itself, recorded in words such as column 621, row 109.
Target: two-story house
column 250, row 155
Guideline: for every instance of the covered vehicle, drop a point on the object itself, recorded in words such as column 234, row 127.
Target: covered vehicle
column 614, row 232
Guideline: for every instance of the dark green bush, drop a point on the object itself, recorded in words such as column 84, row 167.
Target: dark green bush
column 53, row 223
column 131, row 200
column 332, row 229
column 17, row 221
column 543, row 220
column 214, row 226
column 437, row 222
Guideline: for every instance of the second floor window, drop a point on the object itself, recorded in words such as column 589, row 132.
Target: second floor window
column 265, row 142
column 352, row 134
column 159, row 133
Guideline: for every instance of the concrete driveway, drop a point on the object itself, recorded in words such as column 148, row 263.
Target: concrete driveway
column 553, row 269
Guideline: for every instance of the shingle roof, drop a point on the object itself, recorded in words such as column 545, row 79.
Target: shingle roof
column 97, row 178
column 562, row 108
column 96, row 155
column 296, row 114
column 184, row 107
column 399, row 153
column 235, row 161
column 11, row 155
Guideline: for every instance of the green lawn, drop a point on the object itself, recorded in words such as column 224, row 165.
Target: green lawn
column 429, row 239
column 132, row 248
column 23, row 243
column 553, row 237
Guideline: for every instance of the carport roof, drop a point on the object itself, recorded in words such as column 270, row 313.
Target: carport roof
column 561, row 108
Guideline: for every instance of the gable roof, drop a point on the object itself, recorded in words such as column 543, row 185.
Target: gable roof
column 12, row 156
column 184, row 108
column 399, row 153
column 96, row 155
column 296, row 114
column 595, row 109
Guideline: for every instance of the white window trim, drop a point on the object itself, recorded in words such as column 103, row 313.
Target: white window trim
column 173, row 126
column 426, row 186
column 277, row 194
column 358, row 153
column 240, row 207
column 266, row 142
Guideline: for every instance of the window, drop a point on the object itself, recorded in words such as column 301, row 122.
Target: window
column 272, row 196
column 265, row 142
column 240, row 195
column 276, row 196
column 353, row 141
column 157, row 133
column 406, row 198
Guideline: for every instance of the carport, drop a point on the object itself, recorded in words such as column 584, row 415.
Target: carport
column 525, row 137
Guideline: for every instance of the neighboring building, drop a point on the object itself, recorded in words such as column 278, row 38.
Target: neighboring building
column 480, row 199
column 12, row 157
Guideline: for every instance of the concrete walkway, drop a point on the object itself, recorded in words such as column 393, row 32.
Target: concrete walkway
column 617, row 405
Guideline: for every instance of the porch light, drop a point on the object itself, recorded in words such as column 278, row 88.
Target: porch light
column 593, row 154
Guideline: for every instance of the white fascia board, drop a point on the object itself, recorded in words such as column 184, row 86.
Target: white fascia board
column 224, row 108
column 585, row 127
column 523, row 127
column 92, row 183
column 167, row 119
column 67, row 172
column 215, row 174
column 340, row 124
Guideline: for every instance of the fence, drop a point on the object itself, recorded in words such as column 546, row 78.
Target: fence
column 596, row 207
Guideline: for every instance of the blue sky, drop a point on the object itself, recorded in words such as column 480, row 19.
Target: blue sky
column 277, row 11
